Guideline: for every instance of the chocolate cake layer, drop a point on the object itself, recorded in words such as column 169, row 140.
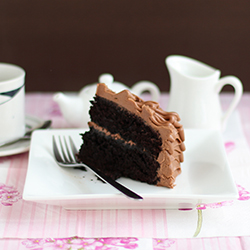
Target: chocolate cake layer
column 128, row 125
column 116, row 157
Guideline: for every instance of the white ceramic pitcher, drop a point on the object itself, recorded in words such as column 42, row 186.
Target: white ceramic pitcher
column 194, row 93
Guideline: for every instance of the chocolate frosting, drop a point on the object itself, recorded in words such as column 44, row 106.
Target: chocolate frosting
column 166, row 123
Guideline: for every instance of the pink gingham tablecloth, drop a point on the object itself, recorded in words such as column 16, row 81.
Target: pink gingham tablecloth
column 28, row 225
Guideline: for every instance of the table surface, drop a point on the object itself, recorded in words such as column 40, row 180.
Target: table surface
column 29, row 225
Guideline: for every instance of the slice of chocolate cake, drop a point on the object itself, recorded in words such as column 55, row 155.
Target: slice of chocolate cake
column 132, row 138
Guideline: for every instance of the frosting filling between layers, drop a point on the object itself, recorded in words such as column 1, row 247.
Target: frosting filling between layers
column 166, row 123
column 106, row 132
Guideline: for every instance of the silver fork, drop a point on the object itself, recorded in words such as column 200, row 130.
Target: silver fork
column 69, row 159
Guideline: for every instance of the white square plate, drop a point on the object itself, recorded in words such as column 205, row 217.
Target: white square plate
column 205, row 177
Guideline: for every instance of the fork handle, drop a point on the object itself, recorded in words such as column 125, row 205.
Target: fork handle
column 114, row 183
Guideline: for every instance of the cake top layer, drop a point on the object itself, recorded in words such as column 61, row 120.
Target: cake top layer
column 150, row 111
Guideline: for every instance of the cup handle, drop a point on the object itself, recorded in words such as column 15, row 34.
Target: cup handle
column 238, row 88
column 143, row 86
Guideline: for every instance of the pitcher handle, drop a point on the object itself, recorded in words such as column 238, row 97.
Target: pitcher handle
column 238, row 88
column 143, row 86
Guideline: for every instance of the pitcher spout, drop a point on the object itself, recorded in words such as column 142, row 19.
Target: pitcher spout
column 190, row 68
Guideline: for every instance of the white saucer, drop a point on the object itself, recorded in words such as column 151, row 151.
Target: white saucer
column 21, row 146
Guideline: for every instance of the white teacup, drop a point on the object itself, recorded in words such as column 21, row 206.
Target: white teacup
column 12, row 102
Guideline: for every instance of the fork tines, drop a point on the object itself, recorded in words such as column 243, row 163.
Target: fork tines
column 64, row 152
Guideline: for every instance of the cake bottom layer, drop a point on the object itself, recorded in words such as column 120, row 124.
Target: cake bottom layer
column 116, row 158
